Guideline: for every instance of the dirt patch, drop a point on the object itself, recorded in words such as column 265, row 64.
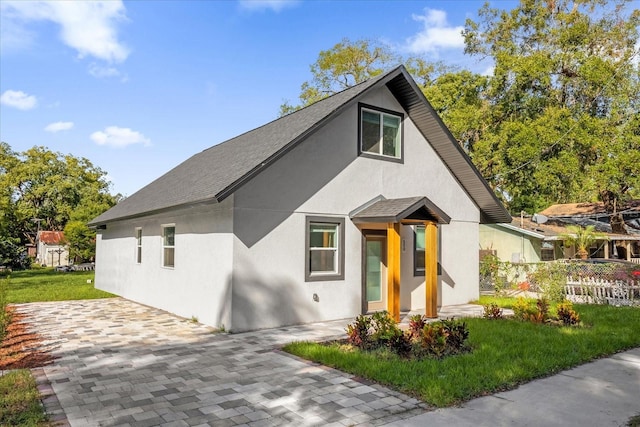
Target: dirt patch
column 21, row 347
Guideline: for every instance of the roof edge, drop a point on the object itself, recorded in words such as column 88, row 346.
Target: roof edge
column 95, row 223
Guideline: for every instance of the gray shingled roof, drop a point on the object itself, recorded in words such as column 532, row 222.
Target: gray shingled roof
column 215, row 173
column 395, row 210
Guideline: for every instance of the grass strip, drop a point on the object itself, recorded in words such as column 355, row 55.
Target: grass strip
column 505, row 353
column 20, row 400
column 49, row 285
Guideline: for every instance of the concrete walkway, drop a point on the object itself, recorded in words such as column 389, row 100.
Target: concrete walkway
column 602, row 393
column 123, row 364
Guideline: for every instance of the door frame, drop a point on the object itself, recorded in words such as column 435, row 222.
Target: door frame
column 379, row 234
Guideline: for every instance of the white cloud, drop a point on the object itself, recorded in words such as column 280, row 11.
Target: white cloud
column 18, row 99
column 102, row 72
column 436, row 33
column 488, row 72
column 118, row 137
column 259, row 5
column 89, row 27
column 58, row 126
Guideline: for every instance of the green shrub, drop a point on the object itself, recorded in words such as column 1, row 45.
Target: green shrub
column 384, row 328
column 567, row 314
column 358, row 332
column 416, row 324
column 492, row 311
column 433, row 341
column 380, row 332
column 550, row 280
column 443, row 338
column 457, row 334
column 522, row 309
column 541, row 314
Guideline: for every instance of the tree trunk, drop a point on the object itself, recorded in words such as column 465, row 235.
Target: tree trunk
column 582, row 253
column 612, row 206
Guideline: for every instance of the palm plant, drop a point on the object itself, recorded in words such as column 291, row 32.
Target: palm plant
column 582, row 238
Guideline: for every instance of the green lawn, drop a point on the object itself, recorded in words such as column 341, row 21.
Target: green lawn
column 505, row 353
column 20, row 400
column 49, row 285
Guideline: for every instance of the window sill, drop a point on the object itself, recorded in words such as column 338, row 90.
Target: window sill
column 369, row 155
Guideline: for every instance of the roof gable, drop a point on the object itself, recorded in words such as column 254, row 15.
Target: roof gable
column 213, row 174
column 396, row 210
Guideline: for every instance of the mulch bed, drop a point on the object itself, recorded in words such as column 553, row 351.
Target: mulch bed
column 21, row 347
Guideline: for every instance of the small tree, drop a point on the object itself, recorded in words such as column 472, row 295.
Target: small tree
column 582, row 238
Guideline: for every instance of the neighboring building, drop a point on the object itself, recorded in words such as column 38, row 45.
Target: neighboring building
column 523, row 240
column 360, row 202
column 52, row 250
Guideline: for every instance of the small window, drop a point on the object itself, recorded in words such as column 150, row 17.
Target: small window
column 419, row 247
column 547, row 254
column 168, row 245
column 419, row 251
column 380, row 132
column 139, row 245
column 324, row 249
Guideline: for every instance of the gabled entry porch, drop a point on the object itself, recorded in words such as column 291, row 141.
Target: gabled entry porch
column 380, row 221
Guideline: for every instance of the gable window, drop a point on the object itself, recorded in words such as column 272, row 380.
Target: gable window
column 139, row 245
column 380, row 132
column 324, row 257
column 168, row 245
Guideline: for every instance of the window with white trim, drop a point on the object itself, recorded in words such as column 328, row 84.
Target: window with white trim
column 168, row 245
column 324, row 249
column 139, row 245
column 380, row 132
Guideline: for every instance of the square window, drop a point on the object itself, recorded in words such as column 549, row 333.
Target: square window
column 324, row 249
column 380, row 133
column 168, row 245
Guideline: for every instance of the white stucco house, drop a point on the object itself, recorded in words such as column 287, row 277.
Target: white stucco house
column 52, row 249
column 360, row 202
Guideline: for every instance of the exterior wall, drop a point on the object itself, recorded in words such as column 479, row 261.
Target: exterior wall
column 48, row 255
column 323, row 176
column 509, row 244
column 200, row 283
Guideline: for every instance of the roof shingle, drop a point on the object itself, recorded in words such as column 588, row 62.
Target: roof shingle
column 215, row 173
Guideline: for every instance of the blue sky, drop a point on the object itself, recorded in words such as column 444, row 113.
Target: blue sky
column 138, row 87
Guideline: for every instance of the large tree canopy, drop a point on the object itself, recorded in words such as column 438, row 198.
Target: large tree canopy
column 559, row 119
column 41, row 189
column 565, row 99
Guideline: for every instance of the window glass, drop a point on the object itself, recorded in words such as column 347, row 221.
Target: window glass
column 323, row 235
column 419, row 250
column 391, row 136
column 169, row 236
column 370, row 132
column 380, row 133
column 323, row 261
column 168, row 242
column 324, row 248
column 139, row 245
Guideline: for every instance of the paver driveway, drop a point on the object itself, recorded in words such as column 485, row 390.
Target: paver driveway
column 121, row 363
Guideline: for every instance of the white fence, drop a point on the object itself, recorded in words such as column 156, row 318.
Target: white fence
column 599, row 291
